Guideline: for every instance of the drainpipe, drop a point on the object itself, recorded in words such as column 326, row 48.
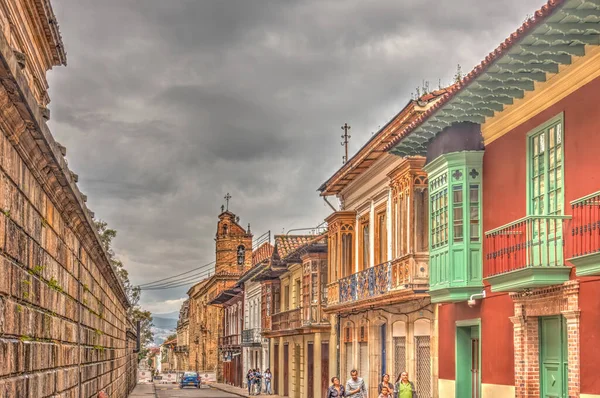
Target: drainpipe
column 337, row 345
column 330, row 205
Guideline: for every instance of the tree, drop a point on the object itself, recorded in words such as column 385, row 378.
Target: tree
column 135, row 312
column 171, row 336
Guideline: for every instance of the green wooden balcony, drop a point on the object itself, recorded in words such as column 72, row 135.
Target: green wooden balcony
column 584, row 244
column 527, row 253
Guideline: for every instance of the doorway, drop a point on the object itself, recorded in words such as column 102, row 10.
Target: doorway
column 468, row 359
column 324, row 368
column 553, row 357
column 286, row 370
column 310, row 358
column 383, row 350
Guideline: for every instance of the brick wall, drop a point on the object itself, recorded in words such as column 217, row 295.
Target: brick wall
column 64, row 329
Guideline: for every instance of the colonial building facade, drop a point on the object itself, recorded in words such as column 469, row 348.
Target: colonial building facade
column 233, row 258
column 299, row 329
column 378, row 261
column 511, row 156
column 182, row 348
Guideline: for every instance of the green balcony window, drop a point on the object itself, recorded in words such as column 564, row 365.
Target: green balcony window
column 454, row 226
column 528, row 253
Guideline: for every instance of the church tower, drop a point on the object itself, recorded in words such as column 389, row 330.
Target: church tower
column 233, row 245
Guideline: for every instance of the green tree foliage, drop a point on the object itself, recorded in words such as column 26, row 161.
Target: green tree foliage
column 133, row 292
column 171, row 337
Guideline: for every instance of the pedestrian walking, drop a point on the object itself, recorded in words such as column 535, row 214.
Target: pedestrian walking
column 268, row 377
column 336, row 389
column 404, row 387
column 250, row 380
column 385, row 382
column 355, row 386
column 258, row 381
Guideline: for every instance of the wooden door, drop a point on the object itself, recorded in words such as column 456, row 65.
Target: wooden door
column 310, row 358
column 286, row 368
column 475, row 368
column 275, row 370
column 553, row 358
column 324, row 368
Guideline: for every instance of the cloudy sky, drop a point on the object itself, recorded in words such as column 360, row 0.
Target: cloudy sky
column 165, row 106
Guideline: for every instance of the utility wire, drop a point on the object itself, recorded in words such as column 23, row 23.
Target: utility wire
column 172, row 284
column 183, row 273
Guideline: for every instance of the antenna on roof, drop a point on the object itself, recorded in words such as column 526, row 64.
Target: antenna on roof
column 346, row 137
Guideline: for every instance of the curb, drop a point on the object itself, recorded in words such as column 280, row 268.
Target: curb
column 228, row 391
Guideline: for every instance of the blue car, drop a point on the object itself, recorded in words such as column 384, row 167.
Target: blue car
column 190, row 379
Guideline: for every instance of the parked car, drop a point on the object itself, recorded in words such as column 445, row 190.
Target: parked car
column 190, row 379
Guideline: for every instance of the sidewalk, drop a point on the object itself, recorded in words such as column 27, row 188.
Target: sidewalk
column 241, row 392
column 143, row 390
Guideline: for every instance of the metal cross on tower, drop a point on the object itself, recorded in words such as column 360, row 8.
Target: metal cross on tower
column 227, row 197
column 346, row 137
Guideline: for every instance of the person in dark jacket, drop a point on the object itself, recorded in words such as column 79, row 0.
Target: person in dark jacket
column 404, row 388
column 336, row 389
column 385, row 382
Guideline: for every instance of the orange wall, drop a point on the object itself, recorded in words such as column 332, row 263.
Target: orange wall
column 497, row 364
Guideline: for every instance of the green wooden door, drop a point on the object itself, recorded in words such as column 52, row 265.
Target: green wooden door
column 468, row 367
column 553, row 357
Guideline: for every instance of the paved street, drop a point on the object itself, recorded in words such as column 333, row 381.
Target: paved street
column 173, row 391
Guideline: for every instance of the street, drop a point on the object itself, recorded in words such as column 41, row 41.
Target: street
column 173, row 391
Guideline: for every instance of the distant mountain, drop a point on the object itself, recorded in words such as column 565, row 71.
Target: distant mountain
column 170, row 315
column 164, row 325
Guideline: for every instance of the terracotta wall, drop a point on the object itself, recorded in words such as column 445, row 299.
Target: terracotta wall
column 504, row 201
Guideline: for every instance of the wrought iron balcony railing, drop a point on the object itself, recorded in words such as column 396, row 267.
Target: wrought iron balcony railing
column 583, row 249
column 526, row 253
column 286, row 320
column 585, row 227
column 231, row 340
column 379, row 280
column 251, row 336
column 313, row 315
column 181, row 348
column 533, row 241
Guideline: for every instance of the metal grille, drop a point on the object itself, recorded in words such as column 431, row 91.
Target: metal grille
column 348, row 359
column 363, row 359
column 423, row 365
column 399, row 356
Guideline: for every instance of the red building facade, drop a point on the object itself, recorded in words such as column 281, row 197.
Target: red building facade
column 515, row 213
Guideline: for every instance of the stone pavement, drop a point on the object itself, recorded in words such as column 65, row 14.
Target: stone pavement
column 241, row 392
column 143, row 390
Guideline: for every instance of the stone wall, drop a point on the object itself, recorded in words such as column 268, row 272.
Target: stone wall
column 64, row 329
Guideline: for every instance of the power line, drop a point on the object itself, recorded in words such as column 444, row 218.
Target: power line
column 174, row 276
column 171, row 284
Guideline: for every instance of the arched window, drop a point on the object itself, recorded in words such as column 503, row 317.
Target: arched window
column 225, row 230
column 241, row 254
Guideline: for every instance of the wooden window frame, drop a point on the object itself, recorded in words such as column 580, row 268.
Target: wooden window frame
column 363, row 333
column 346, row 255
column 381, row 235
column 555, row 122
column 363, row 223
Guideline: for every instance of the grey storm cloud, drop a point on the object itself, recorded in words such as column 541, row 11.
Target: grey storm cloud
column 165, row 106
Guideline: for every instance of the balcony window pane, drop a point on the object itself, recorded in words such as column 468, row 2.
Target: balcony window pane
column 457, row 195
column 365, row 246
